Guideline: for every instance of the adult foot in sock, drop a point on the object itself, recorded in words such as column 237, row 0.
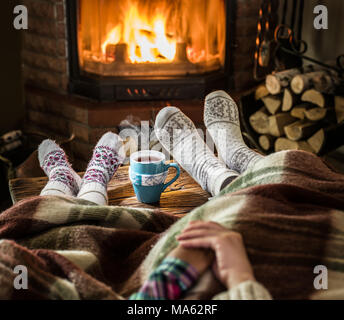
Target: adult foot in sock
column 63, row 180
column 179, row 136
column 108, row 155
column 221, row 118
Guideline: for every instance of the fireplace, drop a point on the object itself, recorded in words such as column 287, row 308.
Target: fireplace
column 151, row 38
column 149, row 50
column 86, row 69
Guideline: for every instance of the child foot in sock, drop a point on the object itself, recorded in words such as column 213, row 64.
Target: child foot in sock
column 221, row 118
column 63, row 180
column 108, row 155
column 178, row 135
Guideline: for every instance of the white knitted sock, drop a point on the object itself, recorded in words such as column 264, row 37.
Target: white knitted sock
column 108, row 155
column 177, row 133
column 63, row 180
column 221, row 117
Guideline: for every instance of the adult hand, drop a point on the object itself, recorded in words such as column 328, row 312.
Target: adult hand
column 231, row 265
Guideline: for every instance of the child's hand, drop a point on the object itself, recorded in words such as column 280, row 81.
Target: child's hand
column 232, row 265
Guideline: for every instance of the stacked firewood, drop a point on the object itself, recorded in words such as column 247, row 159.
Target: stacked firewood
column 303, row 109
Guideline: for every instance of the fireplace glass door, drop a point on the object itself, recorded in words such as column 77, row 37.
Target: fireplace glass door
column 151, row 37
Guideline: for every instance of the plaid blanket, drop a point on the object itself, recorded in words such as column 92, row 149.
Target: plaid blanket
column 289, row 208
column 73, row 249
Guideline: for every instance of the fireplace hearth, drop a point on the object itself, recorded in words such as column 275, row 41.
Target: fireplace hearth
column 149, row 50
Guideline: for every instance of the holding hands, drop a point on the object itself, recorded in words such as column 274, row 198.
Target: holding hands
column 231, row 265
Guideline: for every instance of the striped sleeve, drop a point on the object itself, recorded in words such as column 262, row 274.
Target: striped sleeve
column 169, row 281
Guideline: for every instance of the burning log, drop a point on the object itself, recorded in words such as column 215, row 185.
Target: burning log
column 110, row 52
column 122, row 53
column 181, row 55
column 117, row 52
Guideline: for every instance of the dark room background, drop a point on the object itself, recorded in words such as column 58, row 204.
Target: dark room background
column 12, row 107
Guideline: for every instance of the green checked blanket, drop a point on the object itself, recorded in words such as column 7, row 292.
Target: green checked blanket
column 289, row 208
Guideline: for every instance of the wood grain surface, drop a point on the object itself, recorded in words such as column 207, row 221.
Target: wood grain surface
column 183, row 196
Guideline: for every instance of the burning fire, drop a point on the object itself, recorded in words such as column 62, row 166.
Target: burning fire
column 179, row 37
column 113, row 37
column 146, row 38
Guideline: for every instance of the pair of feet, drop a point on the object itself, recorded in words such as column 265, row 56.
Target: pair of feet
column 178, row 135
column 108, row 155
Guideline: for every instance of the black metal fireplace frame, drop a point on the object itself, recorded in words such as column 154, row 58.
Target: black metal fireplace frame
column 147, row 88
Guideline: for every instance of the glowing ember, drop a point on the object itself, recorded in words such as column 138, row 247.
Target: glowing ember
column 194, row 56
column 147, row 40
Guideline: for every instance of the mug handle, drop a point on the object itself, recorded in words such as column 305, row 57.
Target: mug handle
column 175, row 166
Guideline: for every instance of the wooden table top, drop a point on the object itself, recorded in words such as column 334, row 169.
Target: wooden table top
column 180, row 198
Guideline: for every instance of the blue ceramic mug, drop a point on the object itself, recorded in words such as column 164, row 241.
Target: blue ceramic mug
column 148, row 172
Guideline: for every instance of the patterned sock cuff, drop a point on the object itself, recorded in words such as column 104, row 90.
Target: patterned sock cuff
column 102, row 167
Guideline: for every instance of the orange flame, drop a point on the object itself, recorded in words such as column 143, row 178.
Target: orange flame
column 114, row 37
column 153, row 31
column 146, row 38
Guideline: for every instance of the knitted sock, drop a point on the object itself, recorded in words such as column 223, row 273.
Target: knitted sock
column 63, row 180
column 177, row 134
column 108, row 155
column 221, row 117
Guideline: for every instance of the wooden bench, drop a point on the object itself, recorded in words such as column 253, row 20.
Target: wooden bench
column 180, row 198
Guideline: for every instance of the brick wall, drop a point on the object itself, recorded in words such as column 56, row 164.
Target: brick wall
column 50, row 109
column 45, row 51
